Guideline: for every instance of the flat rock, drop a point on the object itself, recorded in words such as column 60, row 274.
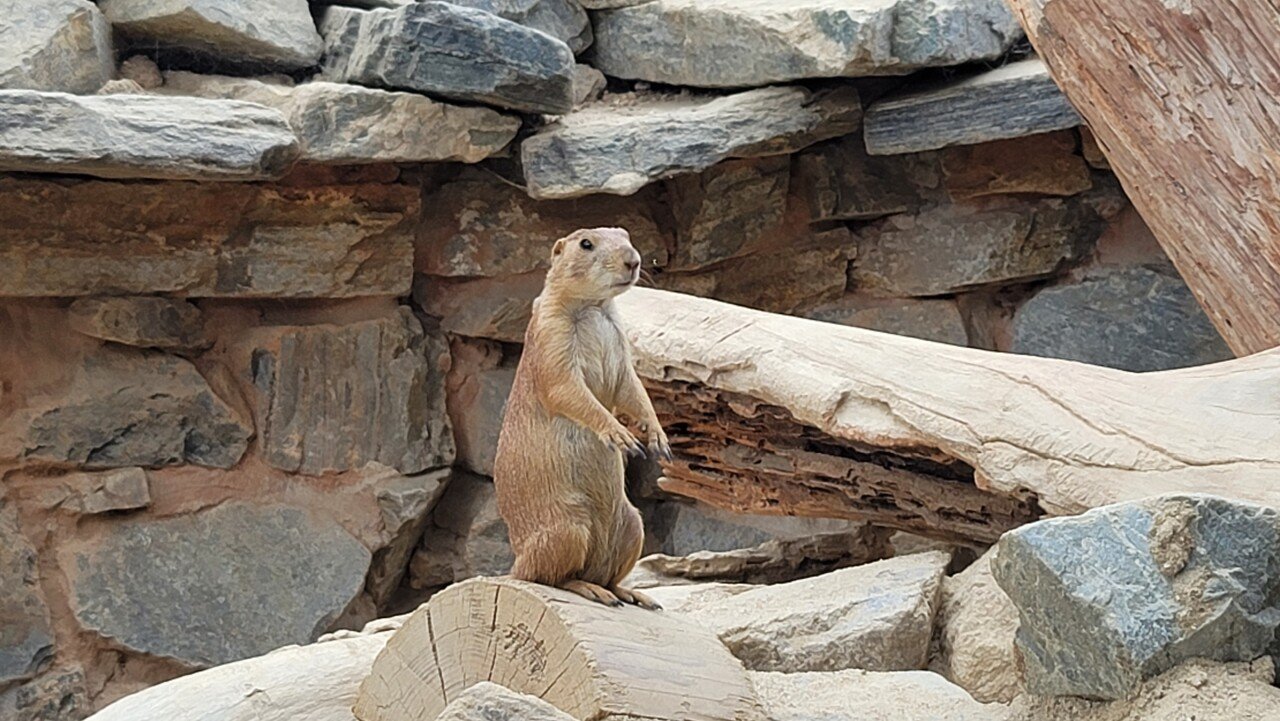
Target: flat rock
column 496, row 308
column 1009, row 102
column 466, row 537
column 391, row 408
column 490, row 702
column 140, row 321
column 619, row 147
column 564, row 20
column 977, row 623
column 1044, row 164
column 839, row 181
column 689, row 598
column 124, row 407
column 342, row 124
column 455, row 52
column 1135, row 318
column 78, row 238
column 120, row 489
column 877, row 617
column 1122, row 593
column 478, row 385
column 728, row 209
column 317, row 682
column 227, row 583
column 143, row 136
column 856, row 695
column 55, row 45
column 730, row 43
column 405, row 503
column 950, row 248
column 279, row 33
column 26, row 636
column 935, row 320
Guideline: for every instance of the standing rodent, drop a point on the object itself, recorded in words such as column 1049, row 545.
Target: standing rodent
column 559, row 467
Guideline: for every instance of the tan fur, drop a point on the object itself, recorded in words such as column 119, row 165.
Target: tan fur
column 559, row 467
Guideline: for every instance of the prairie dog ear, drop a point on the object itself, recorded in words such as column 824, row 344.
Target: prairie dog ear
column 558, row 248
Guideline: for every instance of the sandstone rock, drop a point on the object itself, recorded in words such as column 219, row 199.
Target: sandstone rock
column 773, row 561
column 977, row 623
column 467, row 537
column 405, row 503
column 619, row 148
column 477, row 227
column 341, row 124
column 143, row 71
column 26, row 636
column 121, row 87
column 1125, row 592
column 935, row 320
column 1135, row 318
column 1091, row 150
column 877, row 617
column 58, row 45
column 728, row 209
column 128, row 408
column 141, row 321
column 477, row 387
column 1045, row 164
column 122, row 489
column 317, row 682
column 390, row 409
column 689, row 598
column 496, row 308
column 841, row 182
column 226, row 583
column 141, row 136
column 455, row 52
column 855, row 695
column 59, row 695
column 205, row 239
column 1009, row 102
column 564, row 20
column 957, row 247
column 490, row 702
column 588, row 84
column 277, row 33
column 728, row 43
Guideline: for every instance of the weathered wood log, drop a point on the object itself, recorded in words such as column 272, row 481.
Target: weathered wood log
column 1184, row 98
column 591, row 661
column 774, row 414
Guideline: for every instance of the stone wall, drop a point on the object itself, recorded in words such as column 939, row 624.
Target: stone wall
column 265, row 268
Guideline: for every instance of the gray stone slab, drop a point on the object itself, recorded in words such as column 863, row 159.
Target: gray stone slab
column 57, row 45
column 26, row 636
column 564, row 20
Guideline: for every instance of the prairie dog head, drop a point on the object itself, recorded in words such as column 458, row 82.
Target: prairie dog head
column 594, row 264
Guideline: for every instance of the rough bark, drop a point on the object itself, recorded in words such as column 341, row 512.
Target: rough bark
column 1184, row 99
column 774, row 414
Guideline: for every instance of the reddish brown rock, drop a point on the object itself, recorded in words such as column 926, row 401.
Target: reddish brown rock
column 728, row 210
column 479, row 382
column 936, row 320
column 1045, row 164
column 496, row 308
column 840, row 181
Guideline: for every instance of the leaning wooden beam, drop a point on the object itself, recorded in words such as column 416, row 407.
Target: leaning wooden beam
column 1184, row 98
column 591, row 661
column 775, row 414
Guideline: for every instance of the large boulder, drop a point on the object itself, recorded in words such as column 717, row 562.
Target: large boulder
column 1124, row 592
column 317, row 682
column 729, row 43
column 141, row 136
column 490, row 702
column 564, row 20
column 342, row 124
column 220, row 585
column 276, row 33
column 140, row 321
column 391, row 409
column 59, row 45
column 123, row 408
column 976, row 626
column 1135, row 318
column 877, row 617
column 856, row 695
column 26, row 636
column 455, row 52
column 619, row 147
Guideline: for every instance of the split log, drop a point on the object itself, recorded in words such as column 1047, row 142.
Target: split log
column 1184, row 98
column 781, row 415
column 591, row 661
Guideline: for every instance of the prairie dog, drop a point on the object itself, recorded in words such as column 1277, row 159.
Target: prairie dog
column 559, row 466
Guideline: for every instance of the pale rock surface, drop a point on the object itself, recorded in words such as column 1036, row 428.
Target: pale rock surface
column 142, row 136
column 340, row 124
column 690, row 598
column 490, row 702
column 121, row 489
column 56, row 45
column 619, row 147
column 976, row 625
column 856, row 695
column 277, row 33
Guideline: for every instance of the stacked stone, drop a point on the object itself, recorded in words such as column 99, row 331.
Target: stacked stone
column 265, row 266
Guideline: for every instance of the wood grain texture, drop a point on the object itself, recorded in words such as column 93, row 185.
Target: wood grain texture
column 774, row 414
column 595, row 662
column 1184, row 99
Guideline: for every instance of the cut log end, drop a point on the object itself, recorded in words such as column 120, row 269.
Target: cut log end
column 589, row 660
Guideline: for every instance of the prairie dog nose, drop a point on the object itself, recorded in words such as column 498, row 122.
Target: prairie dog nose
column 631, row 263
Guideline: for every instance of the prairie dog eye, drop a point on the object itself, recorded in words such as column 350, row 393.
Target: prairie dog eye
column 586, row 244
